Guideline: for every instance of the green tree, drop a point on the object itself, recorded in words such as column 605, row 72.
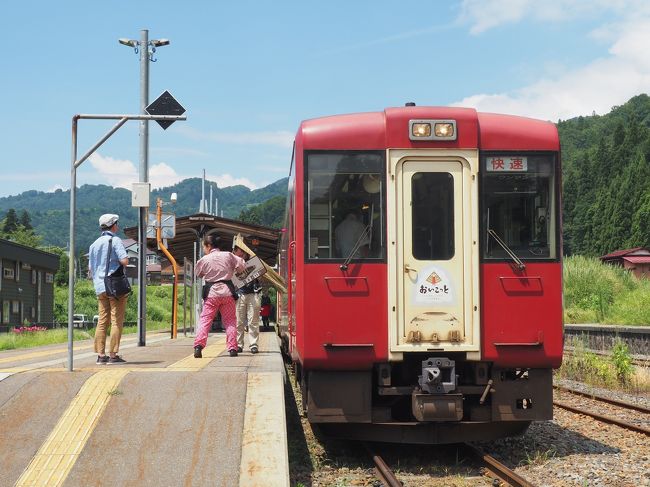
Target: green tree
column 25, row 237
column 62, row 273
column 11, row 222
column 26, row 220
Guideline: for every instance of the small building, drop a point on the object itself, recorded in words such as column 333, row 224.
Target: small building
column 636, row 260
column 153, row 262
column 26, row 284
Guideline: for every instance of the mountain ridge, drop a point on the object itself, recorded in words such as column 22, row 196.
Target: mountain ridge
column 50, row 212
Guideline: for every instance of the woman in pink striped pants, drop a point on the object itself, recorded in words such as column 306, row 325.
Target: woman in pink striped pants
column 216, row 267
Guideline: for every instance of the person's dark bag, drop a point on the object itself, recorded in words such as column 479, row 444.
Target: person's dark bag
column 206, row 290
column 231, row 287
column 208, row 285
column 116, row 284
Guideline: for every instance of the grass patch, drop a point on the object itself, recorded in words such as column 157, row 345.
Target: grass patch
column 11, row 341
column 115, row 392
column 538, row 458
column 600, row 293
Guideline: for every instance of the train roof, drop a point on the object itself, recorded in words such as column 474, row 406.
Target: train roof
column 389, row 129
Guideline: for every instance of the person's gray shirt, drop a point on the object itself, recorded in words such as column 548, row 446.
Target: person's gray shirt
column 97, row 259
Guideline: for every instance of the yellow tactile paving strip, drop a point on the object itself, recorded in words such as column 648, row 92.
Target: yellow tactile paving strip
column 209, row 353
column 57, row 455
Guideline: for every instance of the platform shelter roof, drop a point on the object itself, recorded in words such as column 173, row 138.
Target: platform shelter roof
column 190, row 229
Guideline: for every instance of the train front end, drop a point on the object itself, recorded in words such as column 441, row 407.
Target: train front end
column 423, row 259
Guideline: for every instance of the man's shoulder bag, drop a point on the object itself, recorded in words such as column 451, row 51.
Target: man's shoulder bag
column 116, row 284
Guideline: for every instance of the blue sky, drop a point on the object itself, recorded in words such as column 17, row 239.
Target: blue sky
column 248, row 72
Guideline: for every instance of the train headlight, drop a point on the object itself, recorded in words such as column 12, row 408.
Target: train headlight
column 421, row 130
column 432, row 130
column 444, row 130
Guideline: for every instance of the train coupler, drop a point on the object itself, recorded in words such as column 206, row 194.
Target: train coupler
column 437, row 407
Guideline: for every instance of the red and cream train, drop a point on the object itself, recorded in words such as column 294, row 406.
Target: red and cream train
column 422, row 253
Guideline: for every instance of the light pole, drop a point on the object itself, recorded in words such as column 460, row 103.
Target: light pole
column 146, row 48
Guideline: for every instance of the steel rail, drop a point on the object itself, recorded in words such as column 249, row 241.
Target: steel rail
column 383, row 472
column 497, row 468
column 602, row 418
column 615, row 402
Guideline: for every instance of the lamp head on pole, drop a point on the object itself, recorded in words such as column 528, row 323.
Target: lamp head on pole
column 129, row 43
column 159, row 42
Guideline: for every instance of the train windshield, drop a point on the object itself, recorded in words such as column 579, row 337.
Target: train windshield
column 345, row 205
column 519, row 206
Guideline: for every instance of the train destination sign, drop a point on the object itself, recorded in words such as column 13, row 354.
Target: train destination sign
column 506, row 164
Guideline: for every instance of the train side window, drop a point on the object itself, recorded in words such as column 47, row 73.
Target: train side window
column 345, row 214
column 519, row 205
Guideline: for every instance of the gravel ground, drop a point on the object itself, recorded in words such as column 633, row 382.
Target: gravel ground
column 570, row 450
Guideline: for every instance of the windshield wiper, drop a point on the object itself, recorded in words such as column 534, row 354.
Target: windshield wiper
column 520, row 265
column 357, row 245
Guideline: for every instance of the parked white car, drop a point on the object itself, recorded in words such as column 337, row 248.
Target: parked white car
column 79, row 320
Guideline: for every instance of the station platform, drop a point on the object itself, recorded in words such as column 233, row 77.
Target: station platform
column 164, row 418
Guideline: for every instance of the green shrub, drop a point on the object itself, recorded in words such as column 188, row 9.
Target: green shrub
column 159, row 303
column 585, row 366
column 622, row 362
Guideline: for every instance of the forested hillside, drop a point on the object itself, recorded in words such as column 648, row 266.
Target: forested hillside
column 50, row 215
column 606, row 193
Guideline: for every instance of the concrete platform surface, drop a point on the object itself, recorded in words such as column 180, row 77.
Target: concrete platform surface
column 163, row 418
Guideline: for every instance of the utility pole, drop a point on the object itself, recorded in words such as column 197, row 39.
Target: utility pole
column 144, row 177
column 146, row 49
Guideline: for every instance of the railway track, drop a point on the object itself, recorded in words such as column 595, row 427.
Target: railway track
column 496, row 469
column 383, row 471
column 644, row 417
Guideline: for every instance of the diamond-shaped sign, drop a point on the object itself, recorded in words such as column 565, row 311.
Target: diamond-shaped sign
column 165, row 104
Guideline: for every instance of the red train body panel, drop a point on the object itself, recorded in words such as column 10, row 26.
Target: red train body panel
column 507, row 339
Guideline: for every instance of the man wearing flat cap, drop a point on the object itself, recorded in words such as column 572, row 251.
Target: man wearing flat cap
column 111, row 309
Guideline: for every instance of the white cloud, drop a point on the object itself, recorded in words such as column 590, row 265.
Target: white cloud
column 122, row 173
column 597, row 86
column 225, row 180
column 488, row 14
column 55, row 188
column 114, row 172
column 162, row 174
column 281, row 138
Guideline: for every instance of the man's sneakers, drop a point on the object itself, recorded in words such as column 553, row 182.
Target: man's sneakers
column 197, row 351
column 102, row 360
column 240, row 349
column 254, row 350
column 115, row 360
column 232, row 353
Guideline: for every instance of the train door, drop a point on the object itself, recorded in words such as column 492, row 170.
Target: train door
column 433, row 265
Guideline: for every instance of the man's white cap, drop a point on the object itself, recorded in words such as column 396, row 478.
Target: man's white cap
column 108, row 220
